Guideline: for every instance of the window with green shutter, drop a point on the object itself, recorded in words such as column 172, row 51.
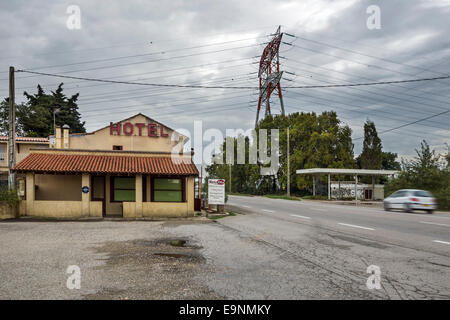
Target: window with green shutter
column 124, row 189
column 168, row 190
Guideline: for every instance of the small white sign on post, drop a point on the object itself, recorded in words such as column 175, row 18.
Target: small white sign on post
column 216, row 191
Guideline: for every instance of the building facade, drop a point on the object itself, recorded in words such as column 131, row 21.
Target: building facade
column 135, row 168
column 22, row 148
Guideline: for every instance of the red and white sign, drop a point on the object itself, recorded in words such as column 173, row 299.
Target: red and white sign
column 216, row 191
column 137, row 129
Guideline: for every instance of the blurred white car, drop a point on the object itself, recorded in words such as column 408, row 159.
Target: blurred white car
column 409, row 200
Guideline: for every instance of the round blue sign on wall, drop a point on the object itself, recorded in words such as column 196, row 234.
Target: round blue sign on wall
column 85, row 189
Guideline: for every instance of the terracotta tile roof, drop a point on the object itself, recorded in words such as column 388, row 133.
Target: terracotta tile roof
column 120, row 164
column 26, row 139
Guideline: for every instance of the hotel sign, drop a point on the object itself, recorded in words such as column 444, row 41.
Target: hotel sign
column 139, row 129
column 216, row 191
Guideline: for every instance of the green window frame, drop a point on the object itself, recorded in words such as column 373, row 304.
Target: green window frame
column 123, row 189
column 168, row 190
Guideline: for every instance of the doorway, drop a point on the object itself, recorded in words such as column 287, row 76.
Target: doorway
column 98, row 192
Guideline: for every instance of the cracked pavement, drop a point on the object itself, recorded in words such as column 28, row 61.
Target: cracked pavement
column 293, row 250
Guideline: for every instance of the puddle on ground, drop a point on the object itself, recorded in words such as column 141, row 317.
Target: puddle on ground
column 161, row 268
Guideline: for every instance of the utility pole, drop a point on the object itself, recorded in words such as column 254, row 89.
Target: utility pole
column 11, row 131
column 230, row 178
column 288, row 167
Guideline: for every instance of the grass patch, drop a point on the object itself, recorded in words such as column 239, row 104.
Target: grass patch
column 241, row 194
column 284, row 197
column 315, row 197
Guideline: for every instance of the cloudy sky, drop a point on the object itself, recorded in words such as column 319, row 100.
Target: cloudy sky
column 219, row 43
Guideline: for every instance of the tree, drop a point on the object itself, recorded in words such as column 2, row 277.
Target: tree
column 389, row 161
column 35, row 117
column 315, row 141
column 4, row 119
column 371, row 155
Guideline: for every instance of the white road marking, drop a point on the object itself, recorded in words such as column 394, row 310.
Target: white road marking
column 270, row 211
column 437, row 224
column 245, row 206
column 354, row 226
column 298, row 216
column 439, row 241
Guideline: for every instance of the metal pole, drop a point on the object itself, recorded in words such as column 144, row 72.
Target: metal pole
column 230, row 179
column 11, row 131
column 329, row 188
column 373, row 188
column 314, row 185
column 288, row 166
column 200, row 187
column 339, row 188
column 356, row 189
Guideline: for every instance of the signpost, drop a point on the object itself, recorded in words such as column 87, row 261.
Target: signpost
column 216, row 192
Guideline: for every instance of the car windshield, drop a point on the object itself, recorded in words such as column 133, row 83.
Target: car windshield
column 422, row 193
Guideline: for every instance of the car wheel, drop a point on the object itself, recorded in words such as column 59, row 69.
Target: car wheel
column 386, row 207
column 430, row 211
column 407, row 208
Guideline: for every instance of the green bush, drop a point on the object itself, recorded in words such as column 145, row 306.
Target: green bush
column 9, row 196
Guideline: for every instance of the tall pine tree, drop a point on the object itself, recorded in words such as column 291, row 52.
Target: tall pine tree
column 372, row 154
column 35, row 117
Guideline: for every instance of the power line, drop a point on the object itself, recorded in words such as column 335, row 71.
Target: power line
column 342, row 110
column 402, row 99
column 231, row 87
column 357, row 109
column 258, row 29
column 150, row 61
column 149, row 54
column 369, row 83
column 152, row 72
column 366, row 55
column 410, row 123
column 365, row 78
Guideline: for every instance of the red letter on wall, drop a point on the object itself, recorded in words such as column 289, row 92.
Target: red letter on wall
column 140, row 126
column 114, row 127
column 152, row 130
column 161, row 132
column 128, row 128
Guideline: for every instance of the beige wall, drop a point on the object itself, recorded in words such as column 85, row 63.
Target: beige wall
column 22, row 150
column 63, row 209
column 55, row 209
column 102, row 140
column 58, row 187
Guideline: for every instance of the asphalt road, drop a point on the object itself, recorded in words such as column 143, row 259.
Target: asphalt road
column 416, row 230
column 411, row 250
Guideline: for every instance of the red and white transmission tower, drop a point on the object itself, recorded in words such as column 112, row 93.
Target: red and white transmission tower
column 269, row 75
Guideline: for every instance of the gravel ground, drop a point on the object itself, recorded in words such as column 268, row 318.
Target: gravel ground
column 118, row 260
